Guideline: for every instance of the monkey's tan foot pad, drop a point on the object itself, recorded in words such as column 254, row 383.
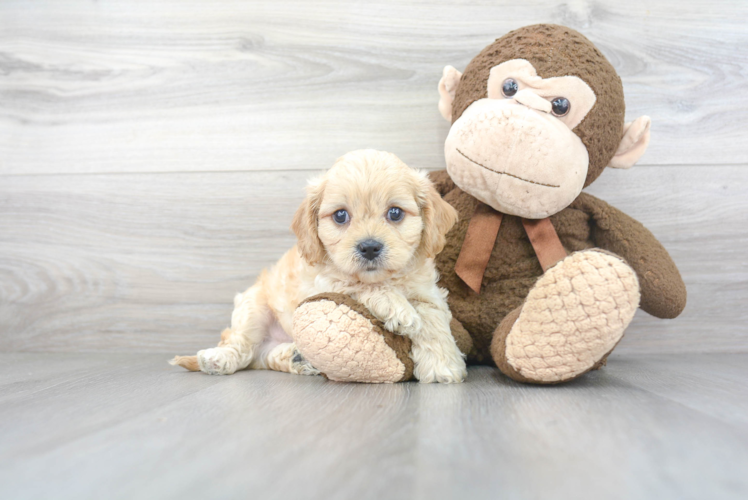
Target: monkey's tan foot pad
column 573, row 317
column 341, row 338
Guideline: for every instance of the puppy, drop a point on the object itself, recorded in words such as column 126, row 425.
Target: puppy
column 368, row 228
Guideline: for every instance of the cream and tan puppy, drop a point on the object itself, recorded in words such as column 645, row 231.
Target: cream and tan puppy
column 369, row 228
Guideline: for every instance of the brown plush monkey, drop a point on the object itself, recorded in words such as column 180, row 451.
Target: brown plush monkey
column 543, row 279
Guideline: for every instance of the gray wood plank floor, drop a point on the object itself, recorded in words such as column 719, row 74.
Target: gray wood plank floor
column 130, row 426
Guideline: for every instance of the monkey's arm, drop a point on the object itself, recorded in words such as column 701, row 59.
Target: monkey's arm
column 663, row 293
column 442, row 181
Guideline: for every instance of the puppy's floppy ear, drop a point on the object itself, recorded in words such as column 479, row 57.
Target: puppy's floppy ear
column 305, row 222
column 438, row 218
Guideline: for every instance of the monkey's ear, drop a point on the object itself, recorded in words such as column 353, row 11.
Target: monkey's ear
column 633, row 144
column 447, row 88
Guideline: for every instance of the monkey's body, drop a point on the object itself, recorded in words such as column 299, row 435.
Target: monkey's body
column 537, row 116
column 514, row 268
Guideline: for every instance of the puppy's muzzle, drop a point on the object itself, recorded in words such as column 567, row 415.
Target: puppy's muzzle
column 370, row 249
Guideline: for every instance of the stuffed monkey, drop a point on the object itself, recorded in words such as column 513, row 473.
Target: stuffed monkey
column 543, row 279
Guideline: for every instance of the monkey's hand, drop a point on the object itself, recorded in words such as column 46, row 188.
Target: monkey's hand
column 663, row 293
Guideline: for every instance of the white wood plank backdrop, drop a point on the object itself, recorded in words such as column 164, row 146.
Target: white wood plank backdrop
column 152, row 153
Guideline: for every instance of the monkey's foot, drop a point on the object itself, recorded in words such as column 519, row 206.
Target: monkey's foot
column 573, row 317
column 340, row 338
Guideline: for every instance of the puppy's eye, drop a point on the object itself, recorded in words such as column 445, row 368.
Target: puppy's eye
column 395, row 214
column 341, row 217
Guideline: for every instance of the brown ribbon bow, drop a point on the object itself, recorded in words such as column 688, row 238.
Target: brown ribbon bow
column 481, row 238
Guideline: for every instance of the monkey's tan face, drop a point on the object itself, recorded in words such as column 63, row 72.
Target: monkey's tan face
column 369, row 219
column 515, row 149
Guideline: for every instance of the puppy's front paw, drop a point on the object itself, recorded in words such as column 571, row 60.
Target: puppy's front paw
column 216, row 361
column 405, row 322
column 442, row 374
column 430, row 367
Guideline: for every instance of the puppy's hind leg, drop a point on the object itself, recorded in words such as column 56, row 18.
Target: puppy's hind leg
column 249, row 325
column 285, row 357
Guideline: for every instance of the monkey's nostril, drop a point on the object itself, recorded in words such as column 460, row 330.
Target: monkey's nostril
column 370, row 249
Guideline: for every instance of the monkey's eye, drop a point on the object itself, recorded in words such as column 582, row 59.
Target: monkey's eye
column 560, row 106
column 395, row 214
column 509, row 87
column 341, row 217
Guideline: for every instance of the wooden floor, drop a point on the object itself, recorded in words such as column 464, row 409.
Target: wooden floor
column 131, row 426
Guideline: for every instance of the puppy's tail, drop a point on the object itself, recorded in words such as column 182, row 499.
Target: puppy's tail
column 189, row 362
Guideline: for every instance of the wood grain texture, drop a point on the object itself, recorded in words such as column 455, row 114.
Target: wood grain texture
column 130, row 426
column 152, row 154
column 150, row 262
column 236, row 85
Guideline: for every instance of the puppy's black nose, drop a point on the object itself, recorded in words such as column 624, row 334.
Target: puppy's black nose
column 370, row 249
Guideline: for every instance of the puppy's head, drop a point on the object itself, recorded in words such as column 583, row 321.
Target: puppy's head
column 371, row 216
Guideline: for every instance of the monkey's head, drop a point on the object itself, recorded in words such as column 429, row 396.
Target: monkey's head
column 536, row 116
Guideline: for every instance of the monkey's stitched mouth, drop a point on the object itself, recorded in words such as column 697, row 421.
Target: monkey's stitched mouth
column 505, row 173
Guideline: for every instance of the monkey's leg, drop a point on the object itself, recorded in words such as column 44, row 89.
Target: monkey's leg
column 573, row 317
column 344, row 341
